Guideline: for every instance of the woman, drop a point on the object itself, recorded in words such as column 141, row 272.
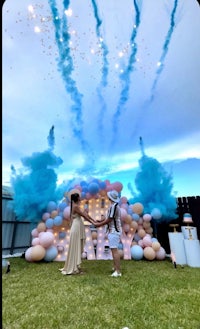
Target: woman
column 77, row 235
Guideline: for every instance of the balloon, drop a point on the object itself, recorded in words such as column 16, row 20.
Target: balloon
column 54, row 213
column 35, row 241
column 45, row 216
column 147, row 241
column 57, row 221
column 62, row 205
column 93, row 188
column 51, row 254
column 118, row 186
column 136, row 252
column 102, row 185
column 160, row 254
column 137, row 208
column 156, row 245
column 149, row 253
column 28, row 254
column 147, row 217
column 156, row 213
column 49, row 223
column 123, row 213
column 46, row 240
column 94, row 235
column 34, row 233
column 41, row 227
column 61, row 235
column 37, row 253
column 66, row 212
column 141, row 232
column 51, row 206
column 136, row 217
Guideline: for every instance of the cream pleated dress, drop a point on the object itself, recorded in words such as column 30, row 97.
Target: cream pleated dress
column 76, row 246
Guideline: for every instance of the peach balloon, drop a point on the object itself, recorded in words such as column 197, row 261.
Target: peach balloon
column 54, row 213
column 149, row 253
column 141, row 233
column 156, row 245
column 37, row 253
column 134, row 225
column 137, row 208
column 41, row 227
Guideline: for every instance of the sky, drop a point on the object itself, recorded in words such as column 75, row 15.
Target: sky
column 103, row 74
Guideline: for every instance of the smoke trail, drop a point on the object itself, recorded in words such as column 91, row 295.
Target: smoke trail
column 66, row 67
column 165, row 49
column 51, row 138
column 104, row 70
column 125, row 76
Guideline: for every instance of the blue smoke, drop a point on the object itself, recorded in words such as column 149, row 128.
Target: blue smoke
column 154, row 187
column 104, row 70
column 66, row 67
column 35, row 185
column 165, row 49
column 125, row 76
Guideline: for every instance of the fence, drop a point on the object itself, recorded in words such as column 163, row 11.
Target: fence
column 16, row 235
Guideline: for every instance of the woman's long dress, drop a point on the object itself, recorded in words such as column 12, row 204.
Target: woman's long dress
column 76, row 245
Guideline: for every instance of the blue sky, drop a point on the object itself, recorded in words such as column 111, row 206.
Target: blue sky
column 103, row 73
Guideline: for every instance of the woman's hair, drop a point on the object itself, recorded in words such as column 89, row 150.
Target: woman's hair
column 74, row 197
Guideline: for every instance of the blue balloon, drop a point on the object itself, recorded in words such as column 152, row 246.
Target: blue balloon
column 120, row 246
column 57, row 221
column 136, row 217
column 137, row 252
column 62, row 235
column 93, row 188
column 51, row 254
column 62, row 205
column 49, row 223
column 102, row 185
column 51, row 206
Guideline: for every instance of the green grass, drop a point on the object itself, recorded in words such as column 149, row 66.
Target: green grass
column 149, row 295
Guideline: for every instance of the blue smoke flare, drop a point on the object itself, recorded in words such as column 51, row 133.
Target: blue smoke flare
column 125, row 76
column 165, row 49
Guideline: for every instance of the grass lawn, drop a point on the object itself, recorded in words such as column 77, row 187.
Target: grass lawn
column 149, row 295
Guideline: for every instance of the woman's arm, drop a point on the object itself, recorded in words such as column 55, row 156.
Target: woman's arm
column 103, row 222
column 84, row 214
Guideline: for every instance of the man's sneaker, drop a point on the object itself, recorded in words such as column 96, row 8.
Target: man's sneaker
column 116, row 274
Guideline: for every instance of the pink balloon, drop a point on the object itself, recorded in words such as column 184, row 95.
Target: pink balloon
column 126, row 228
column 160, row 254
column 147, row 217
column 124, row 206
column 118, row 186
column 123, row 213
column 34, row 233
column 35, row 241
column 45, row 216
column 28, row 254
column 46, row 239
column 66, row 212
column 123, row 199
column 147, row 241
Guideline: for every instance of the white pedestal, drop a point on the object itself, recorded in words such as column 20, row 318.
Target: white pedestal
column 192, row 250
column 193, row 231
column 176, row 242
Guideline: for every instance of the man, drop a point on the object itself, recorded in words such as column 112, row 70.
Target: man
column 113, row 222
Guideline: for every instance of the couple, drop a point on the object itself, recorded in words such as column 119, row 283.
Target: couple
column 77, row 232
